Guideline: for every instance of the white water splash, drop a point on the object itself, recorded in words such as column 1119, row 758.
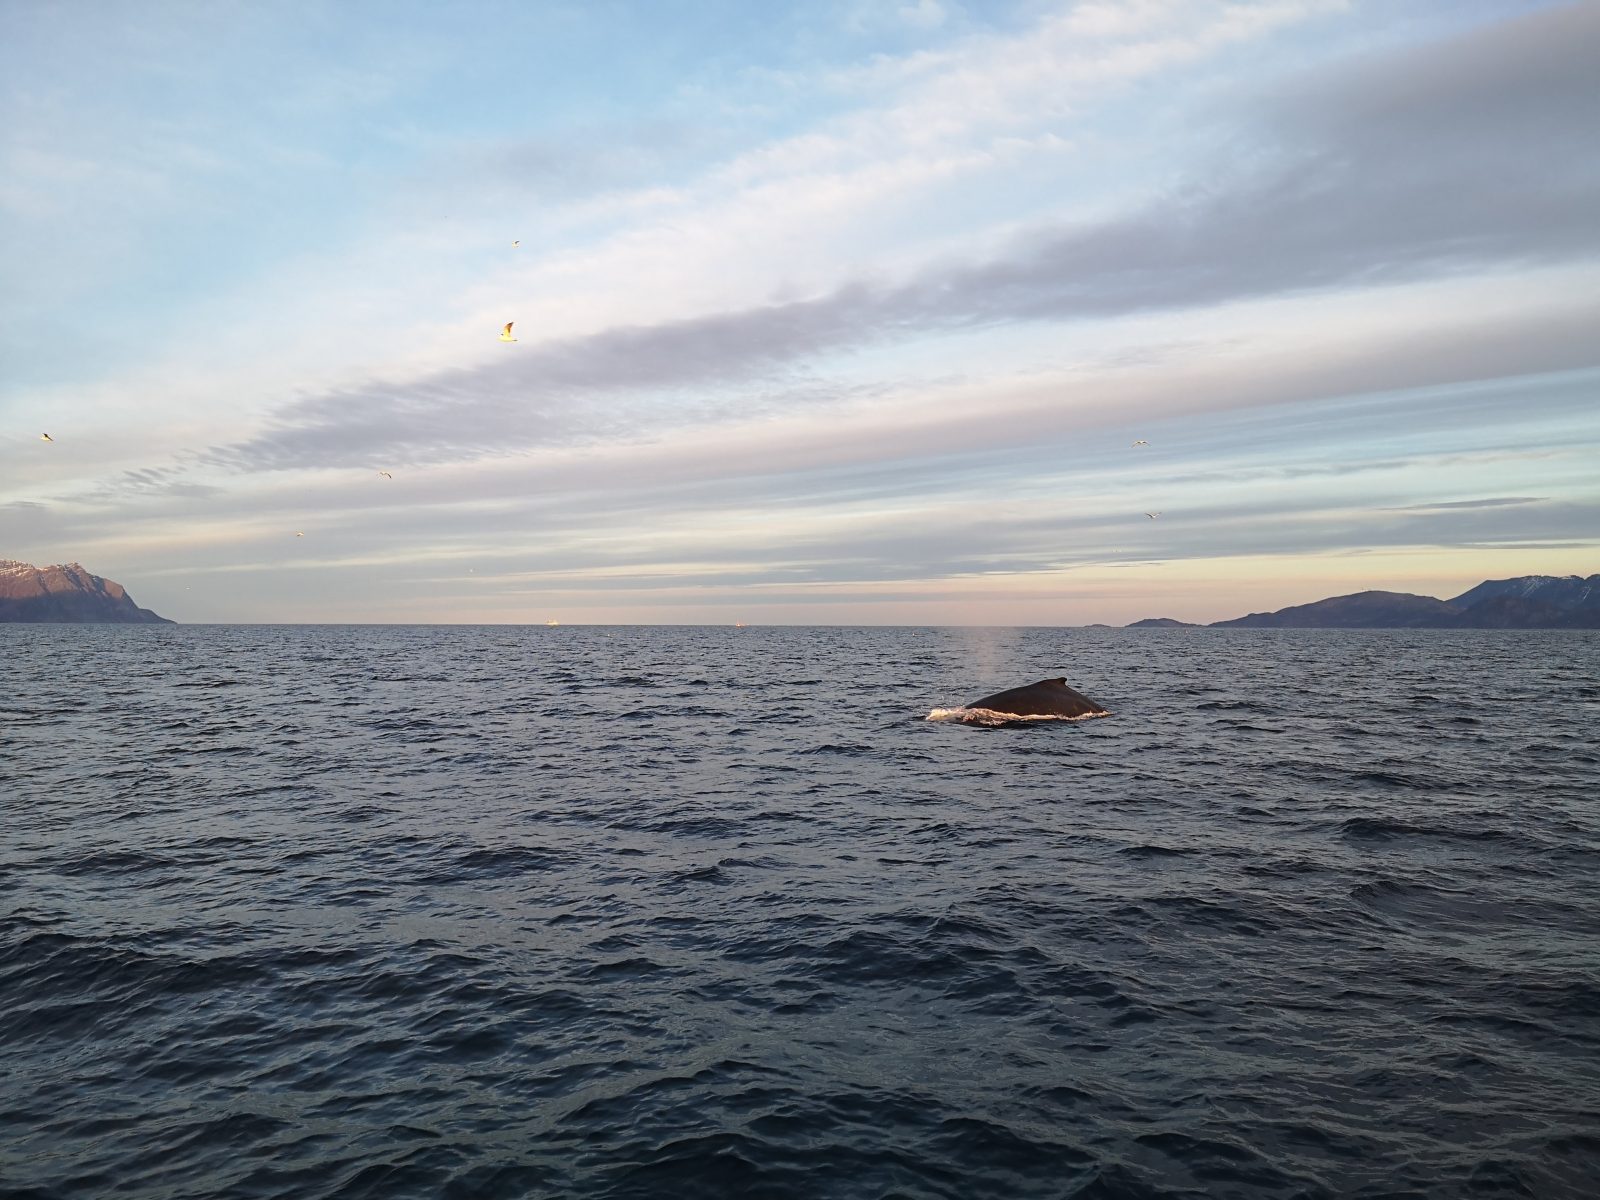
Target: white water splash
column 988, row 716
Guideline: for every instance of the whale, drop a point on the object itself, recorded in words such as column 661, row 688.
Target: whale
column 1047, row 700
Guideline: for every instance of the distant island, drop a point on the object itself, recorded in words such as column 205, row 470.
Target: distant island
column 66, row 594
column 1527, row 602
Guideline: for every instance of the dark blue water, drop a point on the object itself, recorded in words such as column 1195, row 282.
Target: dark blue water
column 640, row 912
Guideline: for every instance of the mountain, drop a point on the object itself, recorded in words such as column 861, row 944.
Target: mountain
column 1570, row 591
column 66, row 594
column 1527, row 602
column 1162, row 623
column 1363, row 610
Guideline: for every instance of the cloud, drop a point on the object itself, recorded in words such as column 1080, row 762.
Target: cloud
column 799, row 394
column 869, row 16
column 1367, row 184
column 583, row 161
column 1492, row 502
column 1525, row 84
column 545, row 395
column 379, row 274
column 1020, row 477
column 924, row 14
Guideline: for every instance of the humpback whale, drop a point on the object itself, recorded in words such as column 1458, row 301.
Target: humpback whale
column 1047, row 700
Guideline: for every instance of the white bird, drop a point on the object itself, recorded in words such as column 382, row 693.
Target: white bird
column 45, row 437
column 517, row 242
column 505, row 334
column 1153, row 515
column 1141, row 442
column 386, row 474
column 299, row 535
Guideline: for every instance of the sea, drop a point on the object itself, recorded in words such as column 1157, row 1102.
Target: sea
column 587, row 911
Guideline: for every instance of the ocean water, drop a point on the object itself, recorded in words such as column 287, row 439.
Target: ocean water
column 706, row 912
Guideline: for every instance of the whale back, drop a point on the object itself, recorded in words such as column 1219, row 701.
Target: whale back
column 1047, row 698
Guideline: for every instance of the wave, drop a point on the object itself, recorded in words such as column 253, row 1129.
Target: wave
column 994, row 720
column 781, row 938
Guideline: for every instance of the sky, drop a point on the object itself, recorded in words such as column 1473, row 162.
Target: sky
column 836, row 312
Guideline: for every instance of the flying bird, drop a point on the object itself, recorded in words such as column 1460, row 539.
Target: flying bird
column 299, row 535
column 386, row 474
column 505, row 334
column 516, row 242
column 45, row 437
column 1141, row 442
column 1153, row 515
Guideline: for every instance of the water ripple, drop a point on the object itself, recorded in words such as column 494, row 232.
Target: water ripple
column 507, row 912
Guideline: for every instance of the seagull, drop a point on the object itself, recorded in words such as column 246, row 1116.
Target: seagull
column 1153, row 515
column 299, row 535
column 1141, row 442
column 517, row 242
column 45, row 437
column 505, row 334
column 386, row 474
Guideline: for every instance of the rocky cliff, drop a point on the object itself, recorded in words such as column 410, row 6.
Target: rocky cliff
column 66, row 594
